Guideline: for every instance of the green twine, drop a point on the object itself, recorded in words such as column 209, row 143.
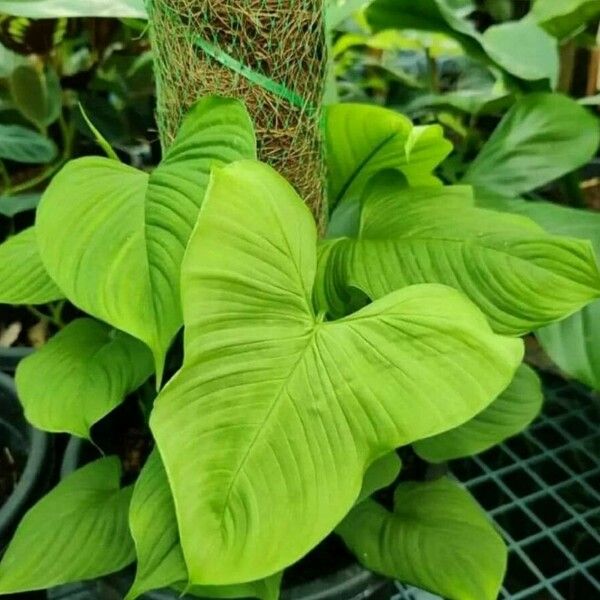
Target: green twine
column 257, row 78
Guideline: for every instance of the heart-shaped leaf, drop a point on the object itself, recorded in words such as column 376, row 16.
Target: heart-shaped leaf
column 80, row 375
column 23, row 277
column 268, row 428
column 523, row 49
column 542, row 137
column 437, row 538
column 128, row 230
column 519, row 276
column 36, row 94
column 160, row 560
column 363, row 140
column 506, row 416
column 78, row 531
column 25, row 146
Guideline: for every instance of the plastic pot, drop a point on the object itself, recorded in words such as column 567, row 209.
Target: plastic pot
column 351, row 583
column 10, row 357
column 28, row 444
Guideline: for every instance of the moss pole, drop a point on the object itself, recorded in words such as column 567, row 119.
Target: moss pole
column 269, row 53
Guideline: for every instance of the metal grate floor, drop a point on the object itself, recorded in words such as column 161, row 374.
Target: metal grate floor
column 542, row 489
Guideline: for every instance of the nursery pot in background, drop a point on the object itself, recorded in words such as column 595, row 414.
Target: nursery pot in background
column 24, row 461
column 11, row 356
column 349, row 583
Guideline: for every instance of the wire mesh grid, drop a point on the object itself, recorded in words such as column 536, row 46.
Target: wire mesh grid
column 542, row 489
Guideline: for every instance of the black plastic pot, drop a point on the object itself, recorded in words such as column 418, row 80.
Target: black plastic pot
column 12, row 356
column 29, row 445
column 351, row 583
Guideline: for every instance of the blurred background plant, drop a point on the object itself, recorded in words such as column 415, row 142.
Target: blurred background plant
column 53, row 73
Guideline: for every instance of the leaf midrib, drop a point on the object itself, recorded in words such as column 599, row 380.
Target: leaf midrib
column 302, row 353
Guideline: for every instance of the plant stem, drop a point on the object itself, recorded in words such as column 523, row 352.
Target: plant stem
column 54, row 319
column 56, row 311
column 5, row 178
column 433, row 72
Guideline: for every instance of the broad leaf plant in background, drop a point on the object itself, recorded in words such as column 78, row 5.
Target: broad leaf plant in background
column 306, row 362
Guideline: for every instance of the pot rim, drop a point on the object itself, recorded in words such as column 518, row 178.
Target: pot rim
column 39, row 443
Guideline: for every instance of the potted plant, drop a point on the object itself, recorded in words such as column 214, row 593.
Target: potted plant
column 244, row 280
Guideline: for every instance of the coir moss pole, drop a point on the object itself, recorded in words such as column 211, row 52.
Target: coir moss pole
column 269, row 53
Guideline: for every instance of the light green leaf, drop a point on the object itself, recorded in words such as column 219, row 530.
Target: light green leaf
column 49, row 9
column 506, row 416
column 517, row 274
column 543, row 137
column 128, row 230
column 24, row 145
column 14, row 205
column 23, row 278
column 573, row 343
column 36, row 94
column 437, row 538
column 84, row 372
column 380, row 474
column 563, row 18
column 77, row 531
column 267, row 430
column 154, row 529
column 523, row 49
column 363, row 139
column 160, row 560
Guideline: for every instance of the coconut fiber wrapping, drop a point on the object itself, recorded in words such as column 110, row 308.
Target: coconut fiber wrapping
column 272, row 54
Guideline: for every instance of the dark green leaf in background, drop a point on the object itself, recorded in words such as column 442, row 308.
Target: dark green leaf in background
column 26, row 146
